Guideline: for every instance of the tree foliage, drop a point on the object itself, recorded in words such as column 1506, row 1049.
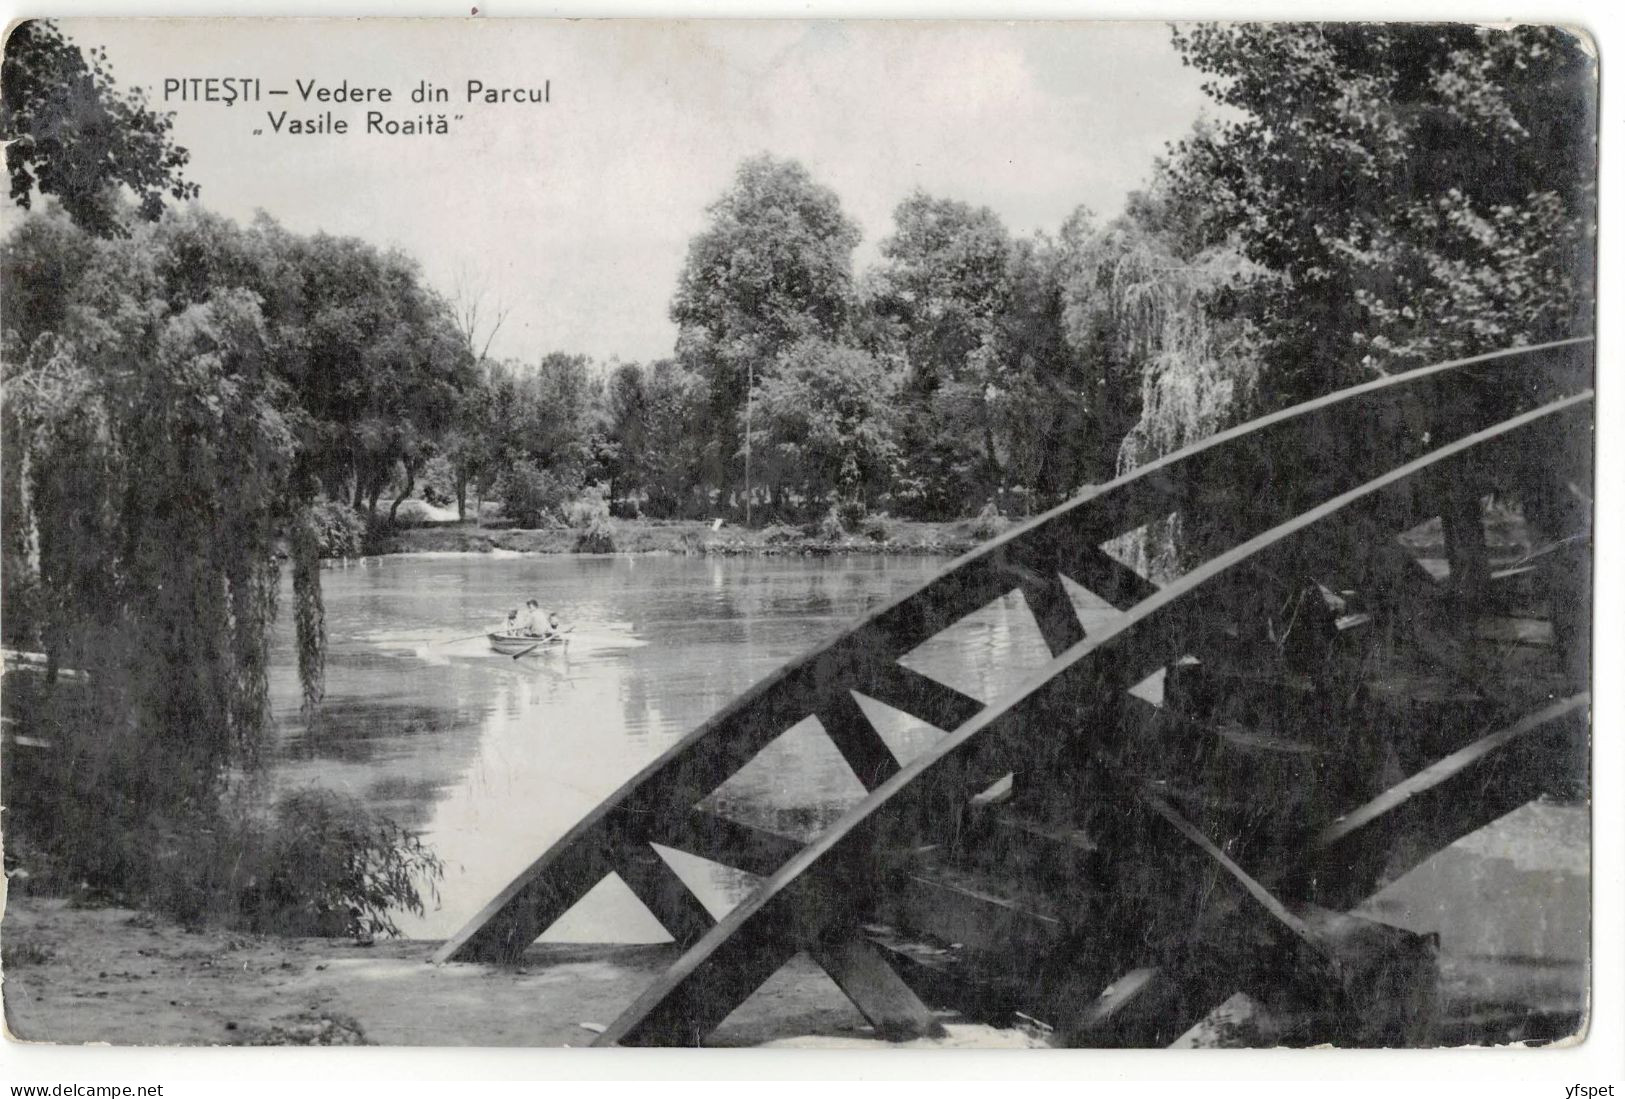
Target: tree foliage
column 772, row 267
column 823, row 428
column 1414, row 192
column 136, row 427
column 71, row 134
column 173, row 408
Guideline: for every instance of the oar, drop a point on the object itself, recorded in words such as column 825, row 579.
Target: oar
column 538, row 644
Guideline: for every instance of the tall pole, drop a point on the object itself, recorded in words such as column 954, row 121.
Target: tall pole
column 750, row 393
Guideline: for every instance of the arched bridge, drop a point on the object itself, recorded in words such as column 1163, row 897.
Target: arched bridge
column 1352, row 676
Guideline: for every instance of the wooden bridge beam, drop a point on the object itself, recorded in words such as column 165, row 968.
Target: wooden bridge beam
column 1052, row 609
column 1154, row 1004
column 875, row 989
column 656, row 884
column 855, row 737
column 861, row 972
column 1241, row 926
column 816, row 887
column 506, row 927
column 1094, row 570
column 917, row 694
column 1440, row 804
column 728, row 842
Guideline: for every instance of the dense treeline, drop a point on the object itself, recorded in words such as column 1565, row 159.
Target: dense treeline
column 967, row 369
column 1423, row 192
column 1378, row 198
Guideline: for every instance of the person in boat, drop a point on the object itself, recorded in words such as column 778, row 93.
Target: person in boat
column 511, row 627
column 553, row 630
column 534, row 623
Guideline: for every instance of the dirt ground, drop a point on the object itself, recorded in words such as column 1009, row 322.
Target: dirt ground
column 1511, row 905
column 75, row 975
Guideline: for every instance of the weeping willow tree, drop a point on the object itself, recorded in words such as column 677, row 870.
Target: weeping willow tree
column 162, row 435
column 1153, row 311
column 151, row 469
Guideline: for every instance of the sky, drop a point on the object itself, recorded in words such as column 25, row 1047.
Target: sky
column 576, row 215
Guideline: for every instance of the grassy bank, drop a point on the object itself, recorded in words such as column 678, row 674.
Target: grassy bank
column 696, row 537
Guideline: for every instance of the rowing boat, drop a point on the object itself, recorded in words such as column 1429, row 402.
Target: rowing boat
column 513, row 644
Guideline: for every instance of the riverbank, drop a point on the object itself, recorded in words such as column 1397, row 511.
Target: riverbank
column 697, row 537
column 1508, row 905
column 1503, row 530
column 76, row 975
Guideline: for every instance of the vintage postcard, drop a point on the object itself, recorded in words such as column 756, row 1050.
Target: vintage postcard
column 797, row 533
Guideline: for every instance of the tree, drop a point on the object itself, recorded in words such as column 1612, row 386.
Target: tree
column 471, row 446
column 824, row 426
column 373, row 356
column 944, row 278
column 1053, row 410
column 72, row 135
column 564, row 413
column 773, row 266
column 944, row 284
column 678, row 441
column 136, row 424
column 1168, row 367
column 627, row 430
column 1414, row 192
column 476, row 322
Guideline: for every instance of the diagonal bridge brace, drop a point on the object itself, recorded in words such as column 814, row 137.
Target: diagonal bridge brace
column 660, row 804
column 813, row 890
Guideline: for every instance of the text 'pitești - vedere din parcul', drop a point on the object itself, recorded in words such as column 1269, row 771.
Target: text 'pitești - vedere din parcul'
column 230, row 91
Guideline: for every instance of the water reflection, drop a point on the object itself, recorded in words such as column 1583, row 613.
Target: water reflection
column 494, row 758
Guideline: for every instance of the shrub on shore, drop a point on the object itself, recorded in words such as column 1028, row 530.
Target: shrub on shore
column 532, row 496
column 597, row 538
column 590, row 509
column 315, row 863
column 339, row 530
column 989, row 523
column 328, row 865
column 830, row 528
column 309, row 862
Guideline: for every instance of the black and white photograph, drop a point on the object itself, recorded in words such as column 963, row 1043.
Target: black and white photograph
column 818, row 534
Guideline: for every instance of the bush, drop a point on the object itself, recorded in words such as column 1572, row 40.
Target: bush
column 588, row 509
column 829, row 528
column 779, row 535
column 877, row 529
column 413, row 513
column 851, row 513
column 531, row 495
column 989, row 523
column 328, row 865
column 312, row 863
column 438, row 489
column 596, row 539
column 340, row 532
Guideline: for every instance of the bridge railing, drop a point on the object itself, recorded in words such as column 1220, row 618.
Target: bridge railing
column 1338, row 444
column 1079, row 691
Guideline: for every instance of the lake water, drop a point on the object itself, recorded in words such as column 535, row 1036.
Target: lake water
column 492, row 758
